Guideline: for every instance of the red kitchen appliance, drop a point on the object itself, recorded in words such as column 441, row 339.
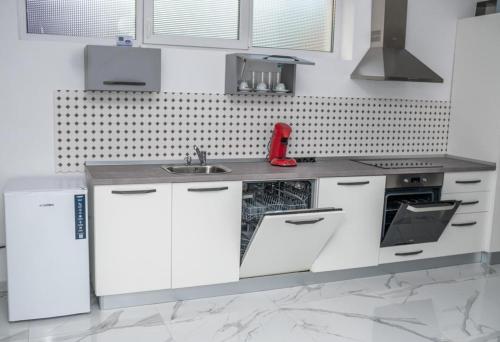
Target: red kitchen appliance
column 278, row 146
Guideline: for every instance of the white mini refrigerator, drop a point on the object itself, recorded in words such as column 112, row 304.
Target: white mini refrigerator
column 47, row 247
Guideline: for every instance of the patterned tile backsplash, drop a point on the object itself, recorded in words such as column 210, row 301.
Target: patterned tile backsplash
column 133, row 126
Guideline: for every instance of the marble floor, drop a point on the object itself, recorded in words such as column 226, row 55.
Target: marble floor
column 460, row 303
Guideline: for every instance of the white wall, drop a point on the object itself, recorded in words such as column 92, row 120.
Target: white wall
column 31, row 70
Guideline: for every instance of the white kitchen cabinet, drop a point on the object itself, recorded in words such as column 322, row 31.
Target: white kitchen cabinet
column 468, row 181
column 472, row 202
column 465, row 233
column 206, row 228
column 357, row 242
column 474, row 122
column 410, row 252
column 132, row 238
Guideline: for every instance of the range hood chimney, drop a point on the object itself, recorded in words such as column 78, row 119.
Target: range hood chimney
column 387, row 59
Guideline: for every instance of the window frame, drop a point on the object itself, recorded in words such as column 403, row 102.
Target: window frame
column 244, row 31
column 25, row 35
column 143, row 27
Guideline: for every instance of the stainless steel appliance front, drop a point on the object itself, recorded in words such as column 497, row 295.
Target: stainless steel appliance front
column 413, row 210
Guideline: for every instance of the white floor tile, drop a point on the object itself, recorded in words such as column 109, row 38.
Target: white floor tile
column 460, row 303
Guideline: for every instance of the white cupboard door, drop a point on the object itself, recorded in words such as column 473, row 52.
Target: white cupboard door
column 206, row 233
column 289, row 241
column 357, row 243
column 132, row 238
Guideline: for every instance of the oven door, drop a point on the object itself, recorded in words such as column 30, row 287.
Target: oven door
column 419, row 223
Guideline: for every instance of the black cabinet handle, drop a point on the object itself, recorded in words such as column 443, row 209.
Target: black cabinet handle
column 126, row 83
column 282, row 57
column 133, row 192
column 409, row 253
column 475, row 181
column 469, row 203
column 353, row 183
column 222, row 188
column 466, row 224
column 299, row 223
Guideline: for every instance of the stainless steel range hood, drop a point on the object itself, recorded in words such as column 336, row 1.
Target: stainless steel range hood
column 387, row 59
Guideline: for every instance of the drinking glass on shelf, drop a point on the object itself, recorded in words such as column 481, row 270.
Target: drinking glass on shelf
column 262, row 86
column 270, row 80
column 253, row 80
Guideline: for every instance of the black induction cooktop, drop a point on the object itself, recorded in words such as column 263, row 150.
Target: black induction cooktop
column 400, row 163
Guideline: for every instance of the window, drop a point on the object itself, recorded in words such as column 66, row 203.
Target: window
column 81, row 18
column 237, row 24
column 214, row 23
column 293, row 24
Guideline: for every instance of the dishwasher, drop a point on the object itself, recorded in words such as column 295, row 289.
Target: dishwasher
column 282, row 230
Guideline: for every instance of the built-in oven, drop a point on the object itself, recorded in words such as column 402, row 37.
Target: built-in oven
column 413, row 210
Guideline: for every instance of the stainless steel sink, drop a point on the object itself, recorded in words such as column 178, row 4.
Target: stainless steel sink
column 196, row 169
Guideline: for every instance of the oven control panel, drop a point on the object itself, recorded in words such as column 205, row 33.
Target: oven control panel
column 414, row 180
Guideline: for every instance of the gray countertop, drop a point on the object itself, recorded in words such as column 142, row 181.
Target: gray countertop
column 259, row 170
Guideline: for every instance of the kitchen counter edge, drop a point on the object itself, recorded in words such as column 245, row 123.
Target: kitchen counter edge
column 262, row 171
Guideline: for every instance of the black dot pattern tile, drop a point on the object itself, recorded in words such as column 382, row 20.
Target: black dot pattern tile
column 131, row 126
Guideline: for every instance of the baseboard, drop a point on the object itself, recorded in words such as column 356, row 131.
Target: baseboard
column 280, row 281
column 494, row 258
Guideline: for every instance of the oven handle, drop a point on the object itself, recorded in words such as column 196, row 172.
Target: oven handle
column 427, row 209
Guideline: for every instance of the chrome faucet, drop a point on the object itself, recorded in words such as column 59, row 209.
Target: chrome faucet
column 202, row 155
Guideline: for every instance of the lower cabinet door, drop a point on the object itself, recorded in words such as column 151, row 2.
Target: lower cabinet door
column 289, row 241
column 132, row 238
column 206, row 228
column 357, row 242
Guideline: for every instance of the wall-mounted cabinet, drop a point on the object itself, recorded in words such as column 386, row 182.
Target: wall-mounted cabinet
column 122, row 68
column 261, row 74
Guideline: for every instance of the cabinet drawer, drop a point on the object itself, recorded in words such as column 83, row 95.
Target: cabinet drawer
column 467, row 182
column 472, row 202
column 464, row 234
column 408, row 252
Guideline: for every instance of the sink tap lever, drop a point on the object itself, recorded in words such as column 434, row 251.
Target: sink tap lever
column 202, row 155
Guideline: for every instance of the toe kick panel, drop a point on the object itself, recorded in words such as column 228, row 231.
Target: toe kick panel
column 289, row 241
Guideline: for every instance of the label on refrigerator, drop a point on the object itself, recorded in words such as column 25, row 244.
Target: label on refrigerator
column 80, row 218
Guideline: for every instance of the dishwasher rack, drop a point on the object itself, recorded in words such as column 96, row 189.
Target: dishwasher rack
column 260, row 198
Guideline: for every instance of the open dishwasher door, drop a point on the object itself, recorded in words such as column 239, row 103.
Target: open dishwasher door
column 289, row 241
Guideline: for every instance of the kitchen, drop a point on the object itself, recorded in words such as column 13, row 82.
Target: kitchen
column 385, row 229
